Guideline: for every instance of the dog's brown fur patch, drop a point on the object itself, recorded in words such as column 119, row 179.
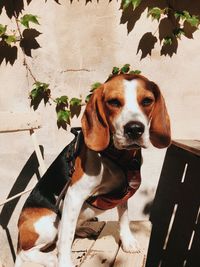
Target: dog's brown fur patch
column 27, row 235
column 79, row 165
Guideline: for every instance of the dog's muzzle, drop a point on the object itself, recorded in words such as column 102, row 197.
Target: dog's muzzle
column 134, row 130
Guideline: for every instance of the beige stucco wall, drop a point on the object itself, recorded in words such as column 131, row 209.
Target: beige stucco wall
column 76, row 36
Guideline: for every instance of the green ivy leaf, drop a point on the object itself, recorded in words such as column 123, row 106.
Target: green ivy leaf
column 179, row 14
column 62, row 100
column 41, row 86
column 125, row 68
column 126, row 3
column 168, row 40
column 10, row 39
column 3, row 29
column 185, row 15
column 63, row 115
column 193, row 21
column 26, row 19
column 94, row 86
column 178, row 32
column 39, row 92
column 75, row 101
column 115, row 70
column 132, row 72
column 87, row 98
column 33, row 94
column 135, row 72
column 75, row 106
column 155, row 13
column 136, row 3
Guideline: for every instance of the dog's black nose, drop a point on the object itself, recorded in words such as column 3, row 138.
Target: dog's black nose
column 134, row 129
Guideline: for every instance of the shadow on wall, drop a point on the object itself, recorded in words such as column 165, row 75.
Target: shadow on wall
column 28, row 36
column 166, row 26
column 169, row 27
column 21, row 182
column 175, row 214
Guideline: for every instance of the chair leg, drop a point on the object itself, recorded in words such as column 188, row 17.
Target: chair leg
column 38, row 152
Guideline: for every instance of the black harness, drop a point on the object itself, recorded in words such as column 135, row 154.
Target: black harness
column 52, row 187
column 73, row 150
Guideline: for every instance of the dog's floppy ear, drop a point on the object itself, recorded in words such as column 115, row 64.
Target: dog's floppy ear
column 94, row 122
column 160, row 133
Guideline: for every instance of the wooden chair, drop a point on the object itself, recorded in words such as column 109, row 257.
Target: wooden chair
column 18, row 122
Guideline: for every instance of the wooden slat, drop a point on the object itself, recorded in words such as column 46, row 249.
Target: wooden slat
column 104, row 250
column 14, row 122
column 192, row 146
column 82, row 245
column 39, row 155
column 3, row 202
column 141, row 231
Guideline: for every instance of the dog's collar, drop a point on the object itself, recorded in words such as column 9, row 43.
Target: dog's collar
column 130, row 163
column 127, row 159
column 73, row 150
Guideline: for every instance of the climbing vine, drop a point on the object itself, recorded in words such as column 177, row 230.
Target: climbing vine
column 174, row 19
column 178, row 17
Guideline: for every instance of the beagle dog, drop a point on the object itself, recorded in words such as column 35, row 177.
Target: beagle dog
column 123, row 115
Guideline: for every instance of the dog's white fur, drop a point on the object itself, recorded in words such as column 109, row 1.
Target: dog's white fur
column 89, row 184
column 72, row 206
column 130, row 112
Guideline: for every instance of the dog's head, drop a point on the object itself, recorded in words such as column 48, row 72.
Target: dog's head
column 131, row 109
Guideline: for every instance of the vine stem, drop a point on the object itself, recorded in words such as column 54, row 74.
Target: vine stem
column 24, row 55
column 24, row 58
column 28, row 69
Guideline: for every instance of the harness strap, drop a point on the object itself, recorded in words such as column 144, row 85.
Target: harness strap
column 131, row 168
column 62, row 193
column 72, row 153
column 73, row 149
column 111, row 200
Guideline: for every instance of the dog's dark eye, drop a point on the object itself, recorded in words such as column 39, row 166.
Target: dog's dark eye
column 147, row 101
column 114, row 103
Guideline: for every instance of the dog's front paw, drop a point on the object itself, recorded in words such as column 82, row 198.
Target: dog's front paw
column 66, row 263
column 130, row 244
column 52, row 261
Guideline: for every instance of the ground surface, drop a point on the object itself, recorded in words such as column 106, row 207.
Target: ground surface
column 106, row 250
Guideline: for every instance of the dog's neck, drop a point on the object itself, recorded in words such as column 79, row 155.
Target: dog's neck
column 127, row 159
